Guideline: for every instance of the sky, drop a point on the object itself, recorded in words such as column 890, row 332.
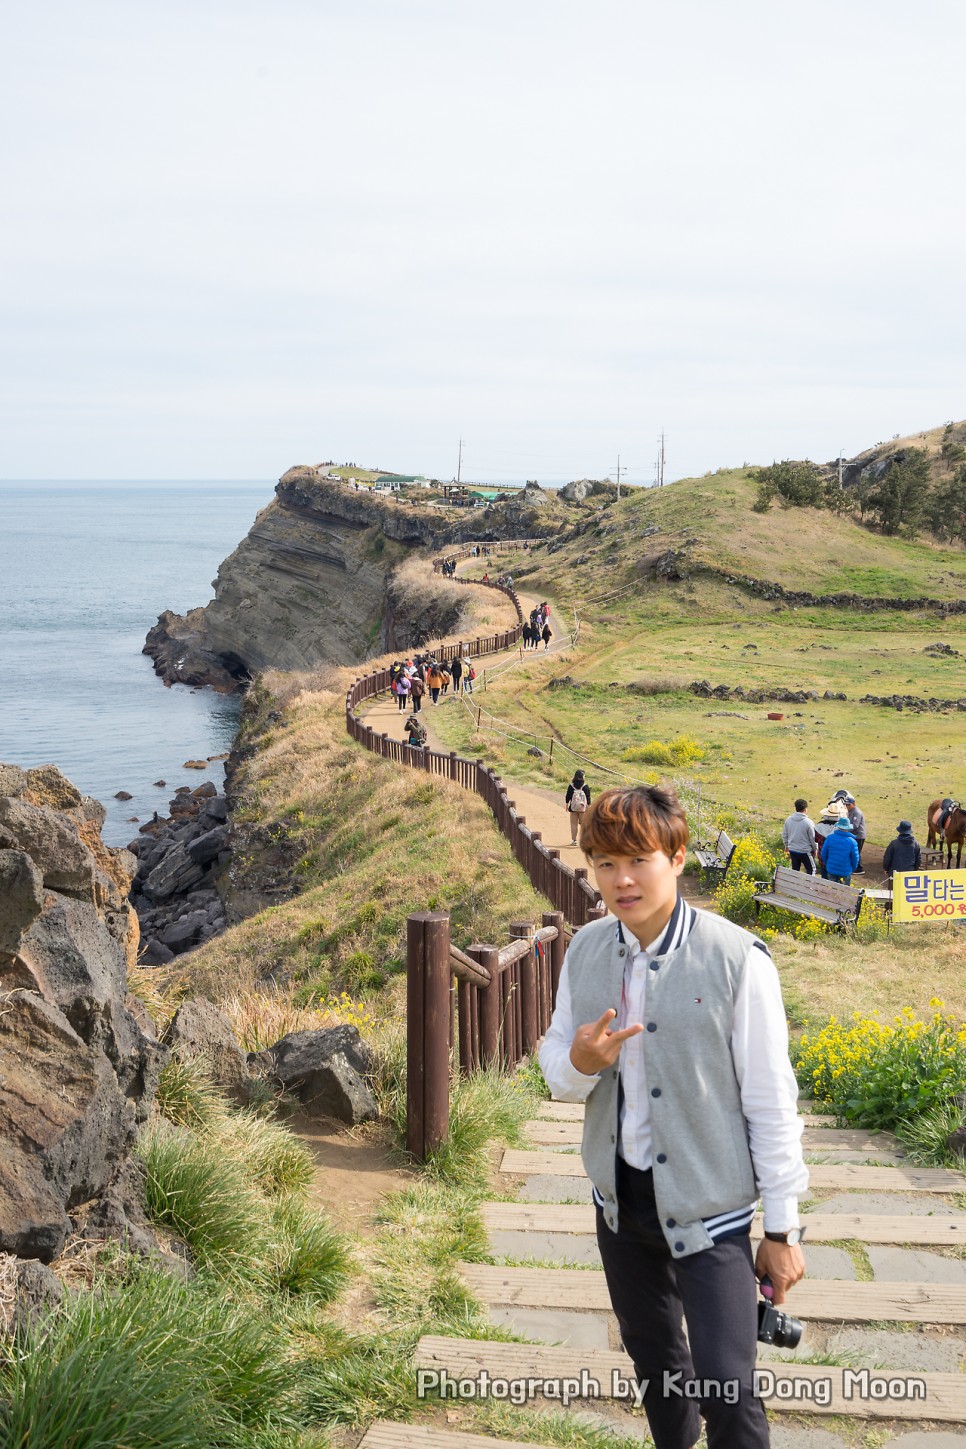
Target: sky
column 240, row 236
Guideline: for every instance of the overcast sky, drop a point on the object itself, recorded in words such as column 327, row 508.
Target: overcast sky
column 238, row 236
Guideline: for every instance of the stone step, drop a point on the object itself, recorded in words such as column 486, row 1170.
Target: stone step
column 427, row 1436
column 817, row 1139
column 858, row 1177
column 822, row 1227
column 797, row 1387
column 828, row 1300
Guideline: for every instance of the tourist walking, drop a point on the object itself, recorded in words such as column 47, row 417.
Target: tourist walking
column 469, row 674
column 456, row 671
column 840, row 854
column 903, row 853
column 798, row 838
column 546, row 636
column 417, row 688
column 669, row 1026
column 402, row 687
column 527, row 636
column 435, row 681
column 576, row 802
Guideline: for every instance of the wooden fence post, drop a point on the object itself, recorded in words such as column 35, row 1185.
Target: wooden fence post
column 427, row 1031
column 558, row 949
column 490, row 1004
column 529, row 1032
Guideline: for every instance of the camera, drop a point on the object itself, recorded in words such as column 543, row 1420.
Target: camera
column 776, row 1327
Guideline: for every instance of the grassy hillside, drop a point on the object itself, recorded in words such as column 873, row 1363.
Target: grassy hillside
column 799, row 548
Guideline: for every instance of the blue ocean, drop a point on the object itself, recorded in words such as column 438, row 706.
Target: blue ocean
column 87, row 568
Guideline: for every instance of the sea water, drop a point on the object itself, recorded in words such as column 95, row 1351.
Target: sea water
column 86, row 570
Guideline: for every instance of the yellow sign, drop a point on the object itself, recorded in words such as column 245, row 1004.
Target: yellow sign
column 929, row 895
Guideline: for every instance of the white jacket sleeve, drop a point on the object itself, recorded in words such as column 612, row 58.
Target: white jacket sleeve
column 562, row 1077
column 769, row 1092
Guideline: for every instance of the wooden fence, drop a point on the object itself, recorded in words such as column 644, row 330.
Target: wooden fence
column 487, row 1006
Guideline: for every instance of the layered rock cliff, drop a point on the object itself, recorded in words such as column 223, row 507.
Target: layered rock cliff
column 309, row 582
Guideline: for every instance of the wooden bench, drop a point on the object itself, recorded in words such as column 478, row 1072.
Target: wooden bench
column 714, row 860
column 808, row 895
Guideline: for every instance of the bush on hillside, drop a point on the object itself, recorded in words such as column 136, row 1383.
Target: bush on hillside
column 680, row 751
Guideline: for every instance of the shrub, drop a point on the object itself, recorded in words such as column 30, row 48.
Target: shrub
column 680, row 751
column 187, row 1096
column 308, row 1258
column 878, row 1075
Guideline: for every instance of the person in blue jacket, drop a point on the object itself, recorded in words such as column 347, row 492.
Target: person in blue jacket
column 840, row 853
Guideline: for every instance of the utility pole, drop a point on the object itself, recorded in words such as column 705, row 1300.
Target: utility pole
column 459, row 465
column 660, row 463
column 620, row 470
column 841, row 465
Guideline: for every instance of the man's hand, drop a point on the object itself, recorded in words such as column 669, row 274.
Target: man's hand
column 594, row 1047
column 784, row 1265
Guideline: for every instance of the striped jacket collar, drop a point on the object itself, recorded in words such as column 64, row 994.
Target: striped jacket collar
column 676, row 932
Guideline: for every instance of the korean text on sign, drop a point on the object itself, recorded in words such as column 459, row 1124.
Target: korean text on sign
column 929, row 895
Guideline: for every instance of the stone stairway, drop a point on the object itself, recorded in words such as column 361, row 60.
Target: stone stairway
column 884, row 1303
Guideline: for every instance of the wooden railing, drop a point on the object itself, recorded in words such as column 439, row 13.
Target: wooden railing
column 568, row 889
column 487, row 1006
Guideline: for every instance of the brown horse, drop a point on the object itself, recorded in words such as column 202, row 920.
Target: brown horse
column 954, row 832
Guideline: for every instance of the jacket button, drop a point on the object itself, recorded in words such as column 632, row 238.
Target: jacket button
column 613, row 1138
column 622, row 952
column 655, row 1091
column 672, row 1222
column 661, row 1157
column 652, row 1026
column 655, row 965
column 614, row 1075
column 679, row 1247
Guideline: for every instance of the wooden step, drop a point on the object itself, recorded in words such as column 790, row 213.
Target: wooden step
column 839, row 1177
column 823, row 1300
column 939, row 1397
column 427, row 1436
column 814, row 1139
column 935, row 1231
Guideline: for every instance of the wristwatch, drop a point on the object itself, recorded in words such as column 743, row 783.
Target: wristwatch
column 793, row 1236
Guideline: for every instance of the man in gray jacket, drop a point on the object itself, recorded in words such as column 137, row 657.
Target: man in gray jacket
column 669, row 1025
column 798, row 838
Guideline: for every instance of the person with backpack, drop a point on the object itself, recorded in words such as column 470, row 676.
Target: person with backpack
column 456, row 672
column 402, row 687
column 576, row 802
column 469, row 674
column 435, row 681
column 417, row 688
column 526, row 636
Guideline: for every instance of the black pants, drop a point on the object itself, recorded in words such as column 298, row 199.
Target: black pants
column 715, row 1291
column 801, row 861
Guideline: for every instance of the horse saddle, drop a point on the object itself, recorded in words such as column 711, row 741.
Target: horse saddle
column 942, row 815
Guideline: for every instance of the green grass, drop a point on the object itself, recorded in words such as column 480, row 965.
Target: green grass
column 155, row 1363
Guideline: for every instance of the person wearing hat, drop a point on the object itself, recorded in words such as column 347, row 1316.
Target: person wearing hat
column 840, row 854
column 857, row 822
column 904, row 852
column 833, row 812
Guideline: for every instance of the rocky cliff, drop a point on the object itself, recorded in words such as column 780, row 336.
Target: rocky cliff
column 308, row 584
column 78, row 1069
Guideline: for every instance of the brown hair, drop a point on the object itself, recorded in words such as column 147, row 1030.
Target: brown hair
column 634, row 821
